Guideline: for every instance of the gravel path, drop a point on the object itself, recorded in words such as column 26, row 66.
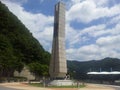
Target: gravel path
column 5, row 88
column 115, row 87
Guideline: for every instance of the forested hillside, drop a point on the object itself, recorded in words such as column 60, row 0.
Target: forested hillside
column 18, row 47
column 79, row 69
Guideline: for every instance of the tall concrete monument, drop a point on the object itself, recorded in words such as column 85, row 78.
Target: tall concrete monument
column 58, row 66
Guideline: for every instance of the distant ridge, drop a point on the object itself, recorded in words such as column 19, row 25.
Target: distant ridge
column 80, row 69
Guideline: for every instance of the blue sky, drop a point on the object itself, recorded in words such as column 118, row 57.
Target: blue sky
column 92, row 26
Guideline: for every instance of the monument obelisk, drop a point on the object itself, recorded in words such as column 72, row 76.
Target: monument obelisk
column 58, row 66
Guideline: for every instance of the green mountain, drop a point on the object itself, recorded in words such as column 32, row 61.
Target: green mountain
column 79, row 70
column 18, row 47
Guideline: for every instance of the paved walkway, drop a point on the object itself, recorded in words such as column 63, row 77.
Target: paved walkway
column 20, row 86
column 5, row 88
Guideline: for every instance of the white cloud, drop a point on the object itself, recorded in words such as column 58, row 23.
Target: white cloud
column 84, row 53
column 115, row 20
column 93, row 52
column 88, row 11
column 109, row 41
column 45, row 37
column 76, row 37
column 76, row 1
column 94, row 31
column 106, row 45
column 101, row 2
column 109, row 46
column 16, row 1
column 71, row 35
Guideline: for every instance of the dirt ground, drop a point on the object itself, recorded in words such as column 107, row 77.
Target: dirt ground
column 88, row 87
column 65, row 89
column 22, row 86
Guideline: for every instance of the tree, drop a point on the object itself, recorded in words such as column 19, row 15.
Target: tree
column 38, row 69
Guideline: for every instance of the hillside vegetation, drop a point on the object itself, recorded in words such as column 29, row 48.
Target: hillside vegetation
column 18, row 47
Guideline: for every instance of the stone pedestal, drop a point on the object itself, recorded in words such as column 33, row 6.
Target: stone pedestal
column 61, row 83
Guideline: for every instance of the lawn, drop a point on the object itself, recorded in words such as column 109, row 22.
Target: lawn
column 41, row 85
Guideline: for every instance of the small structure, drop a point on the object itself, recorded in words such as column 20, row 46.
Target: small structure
column 25, row 73
column 104, row 77
column 62, row 83
column 104, row 73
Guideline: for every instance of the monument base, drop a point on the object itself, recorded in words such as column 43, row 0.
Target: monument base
column 61, row 83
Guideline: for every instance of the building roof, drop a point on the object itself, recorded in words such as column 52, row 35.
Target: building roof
column 104, row 73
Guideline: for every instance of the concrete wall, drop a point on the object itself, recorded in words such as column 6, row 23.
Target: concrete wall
column 25, row 73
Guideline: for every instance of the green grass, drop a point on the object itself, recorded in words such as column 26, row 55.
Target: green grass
column 41, row 85
column 81, row 86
